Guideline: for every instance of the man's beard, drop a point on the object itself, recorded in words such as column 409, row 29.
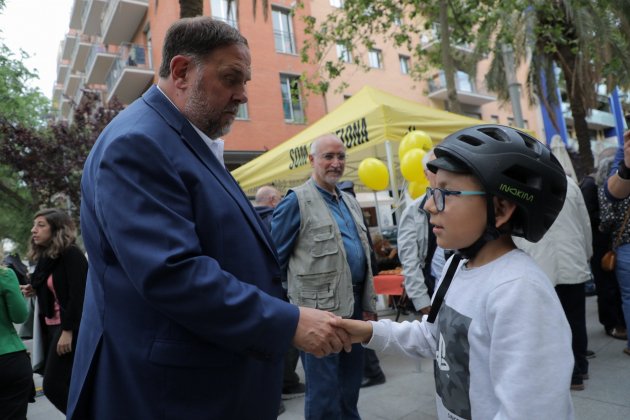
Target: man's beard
column 201, row 113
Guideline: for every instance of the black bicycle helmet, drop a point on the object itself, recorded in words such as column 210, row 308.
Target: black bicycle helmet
column 510, row 164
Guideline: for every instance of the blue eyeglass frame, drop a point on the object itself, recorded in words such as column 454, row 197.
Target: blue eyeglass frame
column 440, row 203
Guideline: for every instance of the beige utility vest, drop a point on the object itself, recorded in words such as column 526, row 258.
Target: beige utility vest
column 318, row 274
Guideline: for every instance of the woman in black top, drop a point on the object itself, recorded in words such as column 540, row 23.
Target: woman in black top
column 59, row 283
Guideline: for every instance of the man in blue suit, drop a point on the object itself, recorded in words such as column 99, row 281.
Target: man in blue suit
column 182, row 317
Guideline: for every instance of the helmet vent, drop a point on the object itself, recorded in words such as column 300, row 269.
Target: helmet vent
column 470, row 140
column 498, row 135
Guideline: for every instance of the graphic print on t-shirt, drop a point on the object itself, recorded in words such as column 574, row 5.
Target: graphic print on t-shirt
column 451, row 365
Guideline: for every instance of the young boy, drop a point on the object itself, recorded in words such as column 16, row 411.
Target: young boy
column 501, row 342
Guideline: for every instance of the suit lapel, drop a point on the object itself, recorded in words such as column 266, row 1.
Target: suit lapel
column 200, row 149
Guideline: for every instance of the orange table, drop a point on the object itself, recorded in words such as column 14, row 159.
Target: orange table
column 389, row 284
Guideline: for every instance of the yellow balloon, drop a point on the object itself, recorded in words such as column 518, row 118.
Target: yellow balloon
column 414, row 140
column 373, row 173
column 411, row 165
column 417, row 188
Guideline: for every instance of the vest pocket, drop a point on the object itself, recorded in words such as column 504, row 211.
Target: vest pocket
column 318, row 291
column 324, row 242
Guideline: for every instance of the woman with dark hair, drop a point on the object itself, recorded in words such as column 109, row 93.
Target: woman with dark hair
column 59, row 283
column 16, row 386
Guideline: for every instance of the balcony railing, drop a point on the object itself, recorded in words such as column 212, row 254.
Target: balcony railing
column 131, row 72
column 98, row 64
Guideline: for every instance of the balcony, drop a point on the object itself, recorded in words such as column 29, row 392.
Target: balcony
column 91, row 17
column 68, row 47
column 98, row 65
column 62, row 73
column 467, row 92
column 83, row 94
column 81, row 54
column 122, row 19
column 431, row 40
column 75, row 15
column 57, row 95
column 72, row 84
column 596, row 120
column 65, row 109
column 131, row 74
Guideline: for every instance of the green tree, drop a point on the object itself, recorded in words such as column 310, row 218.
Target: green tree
column 403, row 23
column 587, row 40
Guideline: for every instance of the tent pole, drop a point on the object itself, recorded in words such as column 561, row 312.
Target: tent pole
column 392, row 178
column 378, row 213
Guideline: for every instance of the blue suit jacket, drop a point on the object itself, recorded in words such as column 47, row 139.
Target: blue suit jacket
column 181, row 317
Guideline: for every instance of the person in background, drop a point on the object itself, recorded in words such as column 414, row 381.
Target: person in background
column 615, row 219
column 267, row 198
column 372, row 372
column 564, row 254
column 416, row 247
column 59, row 284
column 499, row 338
column 324, row 253
column 606, row 286
column 16, row 375
column 184, row 316
column 617, row 186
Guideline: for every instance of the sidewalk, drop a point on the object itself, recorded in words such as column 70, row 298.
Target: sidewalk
column 408, row 393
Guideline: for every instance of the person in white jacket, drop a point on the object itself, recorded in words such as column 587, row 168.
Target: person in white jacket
column 564, row 254
column 499, row 337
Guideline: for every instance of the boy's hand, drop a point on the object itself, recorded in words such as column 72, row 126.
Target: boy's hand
column 359, row 331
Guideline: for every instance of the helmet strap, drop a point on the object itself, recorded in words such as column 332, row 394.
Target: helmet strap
column 489, row 234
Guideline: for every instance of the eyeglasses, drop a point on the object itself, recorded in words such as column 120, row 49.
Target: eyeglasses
column 330, row 156
column 439, row 196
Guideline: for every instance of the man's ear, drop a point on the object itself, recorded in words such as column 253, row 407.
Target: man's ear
column 503, row 211
column 182, row 68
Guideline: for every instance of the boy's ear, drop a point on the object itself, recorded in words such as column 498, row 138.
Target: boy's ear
column 503, row 211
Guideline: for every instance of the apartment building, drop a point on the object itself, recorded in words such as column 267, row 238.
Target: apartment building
column 113, row 48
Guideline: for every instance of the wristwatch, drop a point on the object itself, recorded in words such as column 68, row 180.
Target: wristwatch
column 623, row 171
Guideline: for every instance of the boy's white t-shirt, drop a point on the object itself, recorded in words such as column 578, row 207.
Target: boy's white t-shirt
column 501, row 344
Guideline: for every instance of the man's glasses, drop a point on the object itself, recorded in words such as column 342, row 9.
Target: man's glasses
column 439, row 196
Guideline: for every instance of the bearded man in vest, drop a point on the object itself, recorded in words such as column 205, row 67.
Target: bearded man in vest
column 324, row 253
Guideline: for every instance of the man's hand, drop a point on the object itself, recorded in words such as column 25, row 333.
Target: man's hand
column 425, row 310
column 316, row 333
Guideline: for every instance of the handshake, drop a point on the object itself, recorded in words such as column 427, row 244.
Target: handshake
column 322, row 333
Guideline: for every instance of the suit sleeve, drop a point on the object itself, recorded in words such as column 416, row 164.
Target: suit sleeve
column 143, row 206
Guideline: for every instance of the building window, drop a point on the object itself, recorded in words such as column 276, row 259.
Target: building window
column 242, row 113
column 376, row 58
column 494, row 119
column 224, row 12
column 343, row 52
column 404, row 64
column 283, row 31
column 336, row 3
column 291, row 98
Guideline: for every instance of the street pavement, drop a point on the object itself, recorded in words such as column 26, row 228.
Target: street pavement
column 408, row 393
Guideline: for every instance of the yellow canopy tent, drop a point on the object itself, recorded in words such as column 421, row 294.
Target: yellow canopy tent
column 371, row 124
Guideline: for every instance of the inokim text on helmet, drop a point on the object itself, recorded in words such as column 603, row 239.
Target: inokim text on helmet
column 510, row 164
